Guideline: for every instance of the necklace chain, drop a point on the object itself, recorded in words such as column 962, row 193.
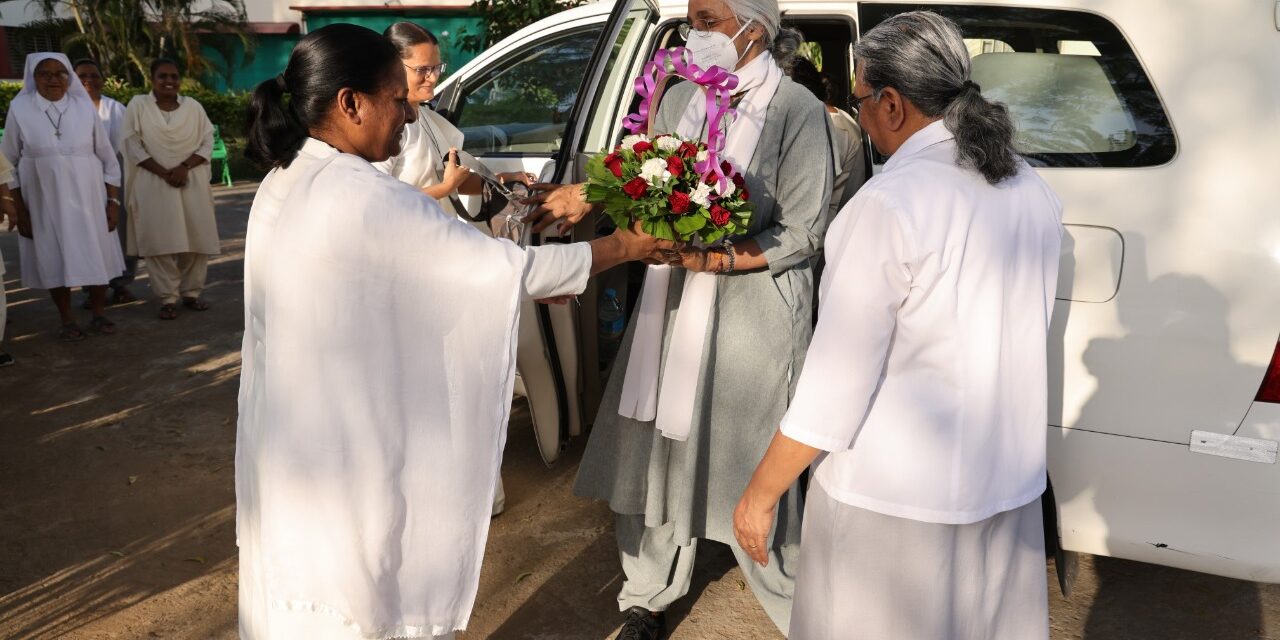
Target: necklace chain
column 57, row 126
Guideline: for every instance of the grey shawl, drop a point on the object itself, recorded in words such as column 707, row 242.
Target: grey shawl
column 756, row 343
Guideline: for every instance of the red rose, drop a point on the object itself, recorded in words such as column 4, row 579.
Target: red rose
column 726, row 168
column 641, row 147
column 687, row 150
column 719, row 215
column 675, row 166
column 636, row 188
column 614, row 162
column 679, row 202
column 741, row 184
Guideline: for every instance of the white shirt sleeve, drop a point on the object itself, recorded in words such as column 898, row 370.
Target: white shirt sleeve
column 556, row 270
column 106, row 153
column 866, row 281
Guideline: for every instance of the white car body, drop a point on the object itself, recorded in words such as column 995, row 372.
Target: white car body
column 1169, row 298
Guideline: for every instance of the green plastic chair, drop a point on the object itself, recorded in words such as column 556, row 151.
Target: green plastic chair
column 219, row 153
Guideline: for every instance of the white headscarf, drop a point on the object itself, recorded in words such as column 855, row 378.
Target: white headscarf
column 75, row 91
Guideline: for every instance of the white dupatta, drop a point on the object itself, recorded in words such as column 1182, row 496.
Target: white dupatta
column 671, row 406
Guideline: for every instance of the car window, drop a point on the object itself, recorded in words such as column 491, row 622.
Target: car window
column 1075, row 89
column 522, row 104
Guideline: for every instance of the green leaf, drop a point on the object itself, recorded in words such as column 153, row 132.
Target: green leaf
column 687, row 225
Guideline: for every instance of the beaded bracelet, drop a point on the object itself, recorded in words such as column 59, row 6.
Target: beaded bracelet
column 727, row 245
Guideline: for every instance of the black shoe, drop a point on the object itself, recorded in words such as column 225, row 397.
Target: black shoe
column 643, row 624
column 5, row 359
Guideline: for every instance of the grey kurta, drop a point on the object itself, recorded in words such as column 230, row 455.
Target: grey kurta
column 757, row 337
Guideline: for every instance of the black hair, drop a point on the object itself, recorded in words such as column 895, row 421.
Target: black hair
column 84, row 61
column 805, row 74
column 323, row 62
column 160, row 62
column 405, row 35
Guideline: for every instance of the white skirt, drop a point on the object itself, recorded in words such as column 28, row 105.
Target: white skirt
column 867, row 575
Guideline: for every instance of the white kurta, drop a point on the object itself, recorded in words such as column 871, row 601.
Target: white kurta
column 111, row 112
column 164, row 220
column 372, row 418
column 423, row 149
column 62, row 181
column 927, row 374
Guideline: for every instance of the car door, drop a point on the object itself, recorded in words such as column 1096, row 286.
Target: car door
column 528, row 110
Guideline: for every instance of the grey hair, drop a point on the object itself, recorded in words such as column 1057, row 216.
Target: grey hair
column 923, row 56
column 781, row 42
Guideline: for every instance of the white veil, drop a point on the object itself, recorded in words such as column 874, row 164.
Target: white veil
column 75, row 91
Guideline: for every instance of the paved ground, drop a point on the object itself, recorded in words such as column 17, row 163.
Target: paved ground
column 116, row 505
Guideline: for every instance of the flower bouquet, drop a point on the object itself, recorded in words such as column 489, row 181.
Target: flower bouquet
column 658, row 183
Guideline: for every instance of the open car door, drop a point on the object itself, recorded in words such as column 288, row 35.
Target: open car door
column 530, row 109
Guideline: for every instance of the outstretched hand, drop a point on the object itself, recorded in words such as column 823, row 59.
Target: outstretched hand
column 566, row 203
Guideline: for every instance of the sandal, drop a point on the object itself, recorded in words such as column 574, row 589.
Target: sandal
column 168, row 311
column 195, row 304
column 70, row 333
column 122, row 296
column 102, row 325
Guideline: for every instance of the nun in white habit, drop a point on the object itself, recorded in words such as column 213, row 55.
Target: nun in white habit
column 372, row 417
column 926, row 382
column 66, row 188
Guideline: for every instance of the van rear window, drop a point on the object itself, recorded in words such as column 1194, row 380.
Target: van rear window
column 1077, row 93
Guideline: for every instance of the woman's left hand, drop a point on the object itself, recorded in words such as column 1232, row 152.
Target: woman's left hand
column 523, row 177
column 751, row 524
column 697, row 260
column 113, row 216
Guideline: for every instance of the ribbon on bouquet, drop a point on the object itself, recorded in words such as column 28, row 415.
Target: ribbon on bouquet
column 716, row 82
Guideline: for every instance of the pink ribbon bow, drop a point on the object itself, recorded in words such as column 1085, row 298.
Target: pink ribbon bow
column 715, row 81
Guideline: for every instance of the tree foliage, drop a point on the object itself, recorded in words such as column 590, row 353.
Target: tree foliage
column 505, row 17
column 124, row 36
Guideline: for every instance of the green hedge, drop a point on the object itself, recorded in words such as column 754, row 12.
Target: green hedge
column 227, row 110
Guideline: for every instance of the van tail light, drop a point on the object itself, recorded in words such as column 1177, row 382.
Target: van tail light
column 1270, row 389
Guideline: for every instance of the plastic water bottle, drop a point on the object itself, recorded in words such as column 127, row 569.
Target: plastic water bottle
column 612, row 323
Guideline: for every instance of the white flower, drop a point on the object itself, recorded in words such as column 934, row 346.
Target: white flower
column 654, row 171
column 702, row 195
column 630, row 141
column 703, row 155
column 668, row 143
column 725, row 188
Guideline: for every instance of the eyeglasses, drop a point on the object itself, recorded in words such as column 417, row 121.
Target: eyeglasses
column 428, row 70
column 700, row 24
column 61, row 76
column 856, row 101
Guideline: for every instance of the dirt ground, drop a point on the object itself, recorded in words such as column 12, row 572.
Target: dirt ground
column 117, row 504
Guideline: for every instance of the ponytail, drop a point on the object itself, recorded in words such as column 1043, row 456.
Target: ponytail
column 983, row 133
column 275, row 134
column 784, row 47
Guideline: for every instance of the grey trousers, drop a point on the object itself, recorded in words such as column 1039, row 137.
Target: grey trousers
column 659, row 571
column 868, row 576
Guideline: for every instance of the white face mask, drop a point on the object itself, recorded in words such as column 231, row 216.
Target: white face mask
column 712, row 48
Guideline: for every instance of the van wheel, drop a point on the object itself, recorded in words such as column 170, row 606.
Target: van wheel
column 1066, row 563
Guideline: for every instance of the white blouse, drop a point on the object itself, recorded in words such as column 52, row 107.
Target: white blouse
column 927, row 376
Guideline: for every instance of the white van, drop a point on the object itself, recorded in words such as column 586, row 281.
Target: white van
column 1158, row 123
